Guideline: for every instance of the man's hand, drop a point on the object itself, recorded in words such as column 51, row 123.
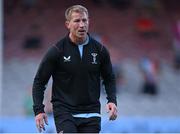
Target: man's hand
column 40, row 119
column 112, row 110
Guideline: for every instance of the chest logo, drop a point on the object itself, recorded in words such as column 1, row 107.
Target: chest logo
column 94, row 58
column 67, row 59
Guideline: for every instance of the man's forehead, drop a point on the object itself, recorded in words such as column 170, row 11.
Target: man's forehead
column 78, row 14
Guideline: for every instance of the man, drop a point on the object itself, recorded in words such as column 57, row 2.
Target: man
column 76, row 64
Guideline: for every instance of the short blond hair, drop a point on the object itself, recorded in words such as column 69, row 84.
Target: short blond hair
column 75, row 8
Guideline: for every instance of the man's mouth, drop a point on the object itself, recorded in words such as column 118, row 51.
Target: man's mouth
column 81, row 31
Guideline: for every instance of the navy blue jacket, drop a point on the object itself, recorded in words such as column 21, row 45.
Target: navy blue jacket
column 76, row 80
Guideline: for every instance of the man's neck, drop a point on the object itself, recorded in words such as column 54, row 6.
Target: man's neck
column 77, row 40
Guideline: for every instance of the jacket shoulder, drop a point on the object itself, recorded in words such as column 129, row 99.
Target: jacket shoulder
column 59, row 45
column 97, row 44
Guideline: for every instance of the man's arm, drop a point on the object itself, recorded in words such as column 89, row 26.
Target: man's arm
column 110, row 83
column 45, row 70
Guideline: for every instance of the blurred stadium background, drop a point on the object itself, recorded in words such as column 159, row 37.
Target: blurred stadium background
column 143, row 37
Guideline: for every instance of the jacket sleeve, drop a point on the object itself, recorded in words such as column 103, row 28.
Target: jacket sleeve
column 108, row 76
column 45, row 70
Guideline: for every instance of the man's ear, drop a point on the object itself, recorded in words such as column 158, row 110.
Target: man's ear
column 67, row 24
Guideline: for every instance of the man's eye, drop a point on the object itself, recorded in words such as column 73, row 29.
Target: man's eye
column 84, row 20
column 76, row 20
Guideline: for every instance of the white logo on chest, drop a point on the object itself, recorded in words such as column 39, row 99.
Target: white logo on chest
column 67, row 59
column 94, row 58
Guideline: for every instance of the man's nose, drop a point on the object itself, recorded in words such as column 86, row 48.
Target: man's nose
column 82, row 24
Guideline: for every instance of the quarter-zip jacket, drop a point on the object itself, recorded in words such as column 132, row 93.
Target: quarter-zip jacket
column 76, row 80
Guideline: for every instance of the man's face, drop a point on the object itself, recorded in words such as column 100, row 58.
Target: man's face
column 78, row 25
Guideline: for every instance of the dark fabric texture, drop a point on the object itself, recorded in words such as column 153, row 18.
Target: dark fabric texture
column 76, row 80
column 66, row 123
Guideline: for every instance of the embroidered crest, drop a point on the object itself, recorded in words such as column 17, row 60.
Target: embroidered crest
column 67, row 59
column 94, row 58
